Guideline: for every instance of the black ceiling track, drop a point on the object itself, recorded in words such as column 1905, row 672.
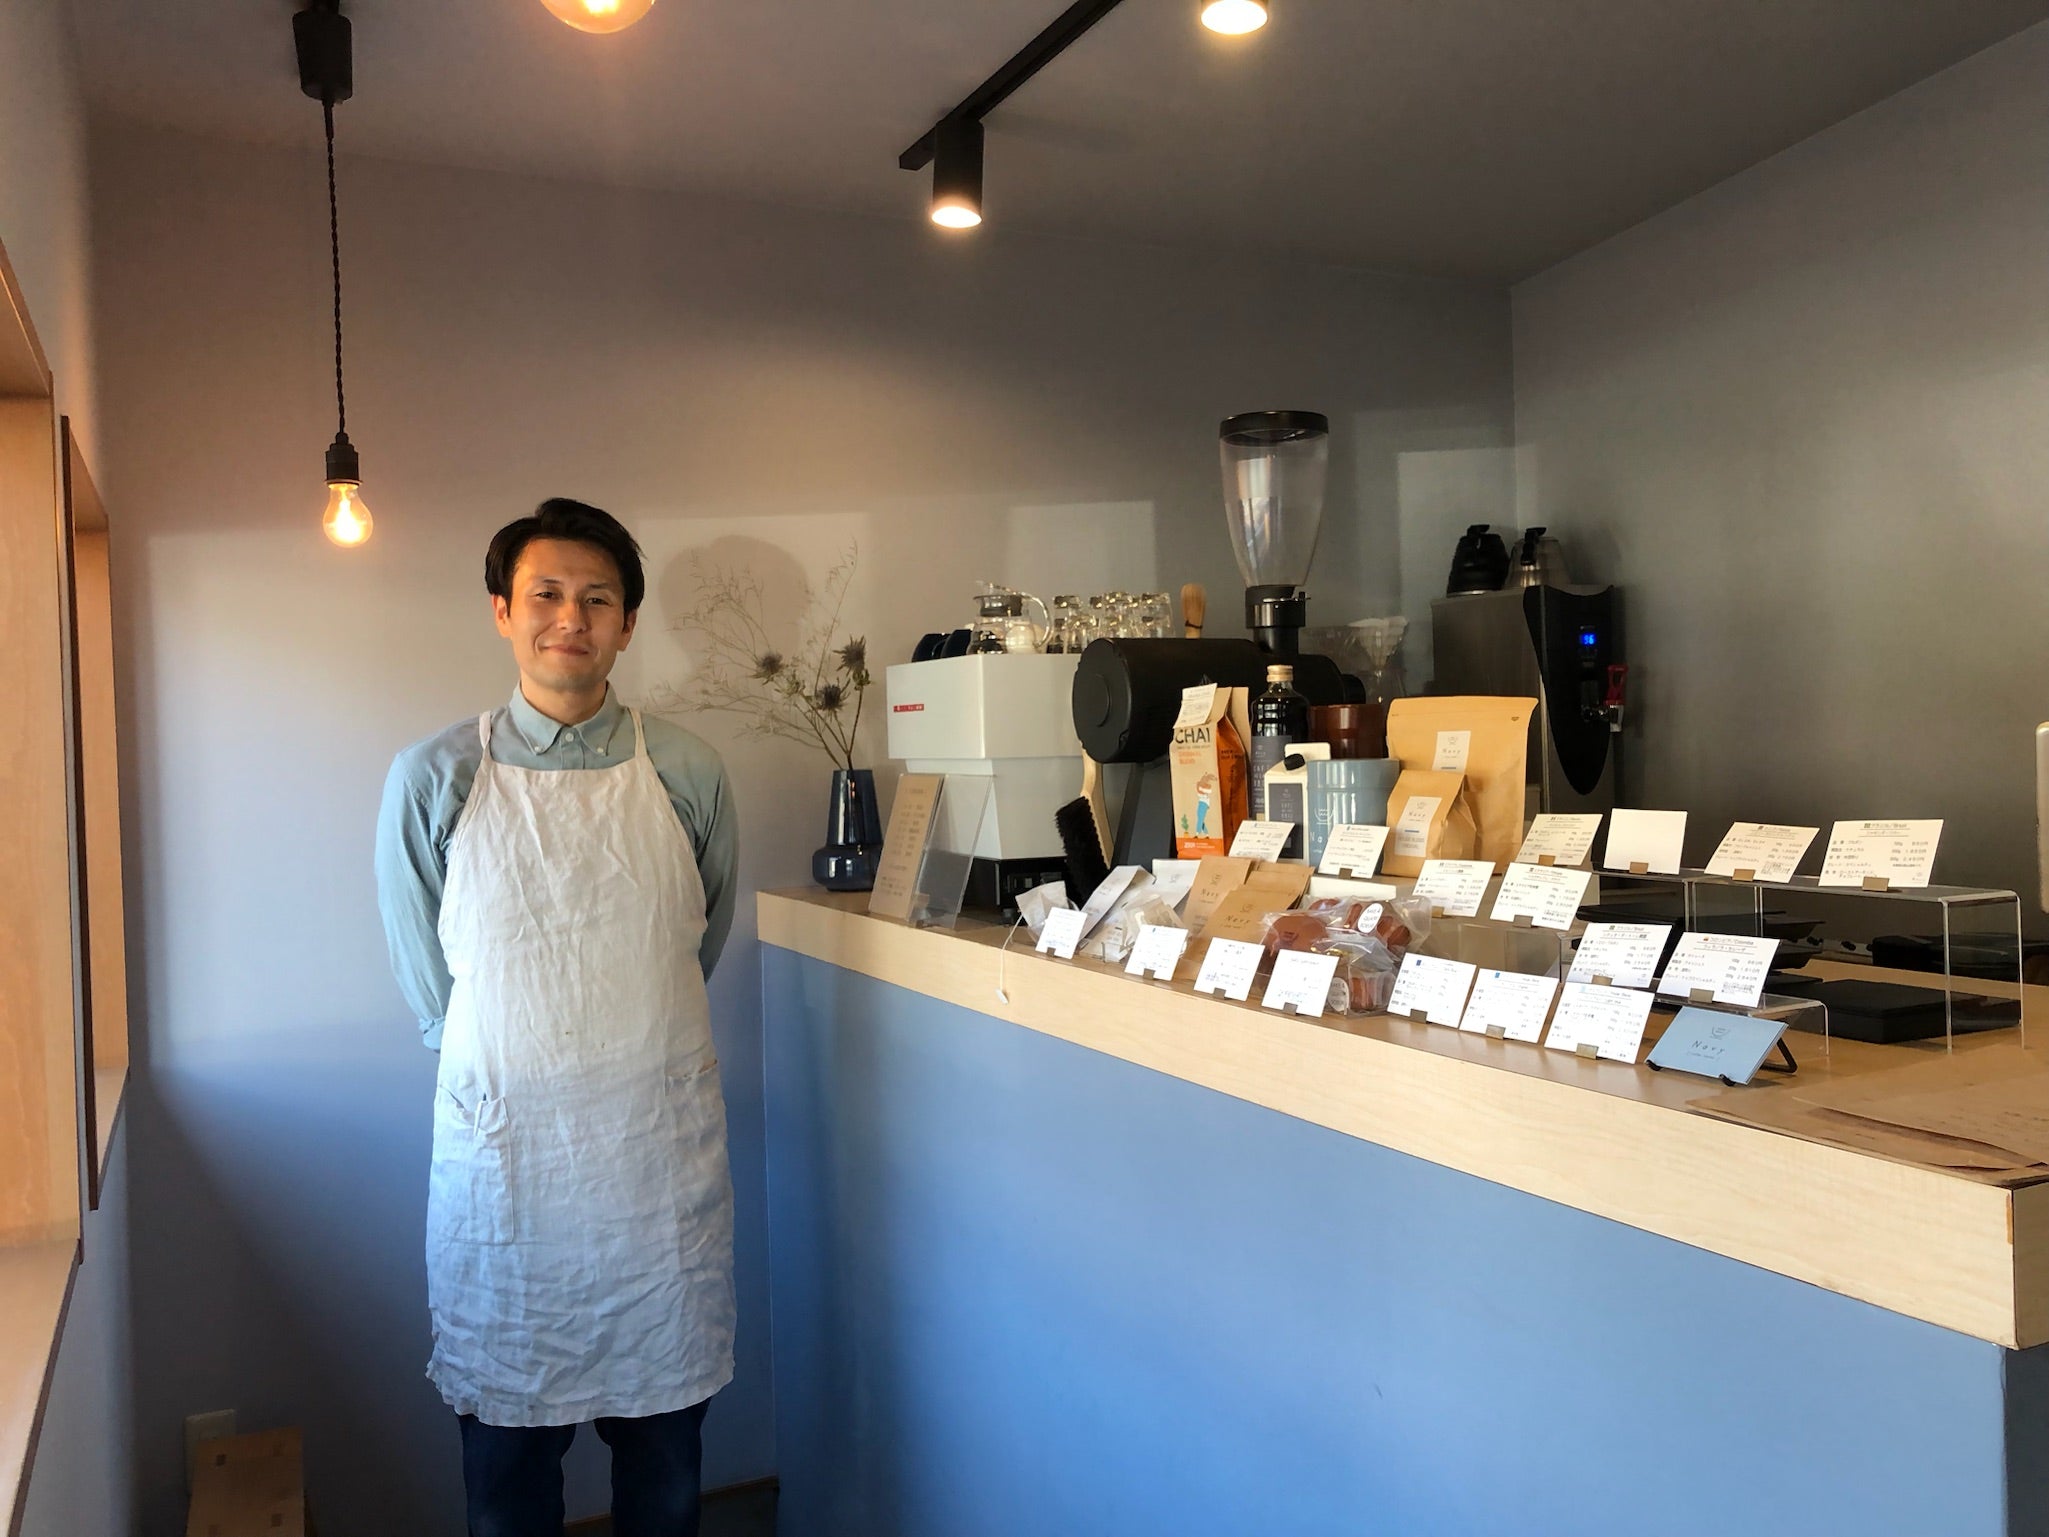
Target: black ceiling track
column 1025, row 63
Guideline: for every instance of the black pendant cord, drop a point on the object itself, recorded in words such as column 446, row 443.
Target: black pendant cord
column 341, row 407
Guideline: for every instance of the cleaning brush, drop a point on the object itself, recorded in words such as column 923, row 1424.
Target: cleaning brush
column 1081, row 848
column 1194, row 609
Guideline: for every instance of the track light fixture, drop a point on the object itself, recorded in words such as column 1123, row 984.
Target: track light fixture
column 954, row 146
column 957, row 173
column 1234, row 17
column 599, row 15
column 327, row 73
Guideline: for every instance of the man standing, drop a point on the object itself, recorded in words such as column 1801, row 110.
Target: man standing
column 556, row 879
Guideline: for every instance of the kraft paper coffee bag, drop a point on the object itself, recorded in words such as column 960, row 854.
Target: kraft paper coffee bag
column 1483, row 737
column 1427, row 818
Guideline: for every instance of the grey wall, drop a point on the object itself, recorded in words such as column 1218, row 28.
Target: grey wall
column 79, row 1485
column 764, row 386
column 1805, row 419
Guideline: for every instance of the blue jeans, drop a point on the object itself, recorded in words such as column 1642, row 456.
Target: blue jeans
column 513, row 1476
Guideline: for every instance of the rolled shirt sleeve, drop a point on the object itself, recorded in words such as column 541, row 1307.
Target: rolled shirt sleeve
column 411, row 871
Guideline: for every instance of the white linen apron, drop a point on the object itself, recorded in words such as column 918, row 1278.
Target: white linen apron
column 580, row 1207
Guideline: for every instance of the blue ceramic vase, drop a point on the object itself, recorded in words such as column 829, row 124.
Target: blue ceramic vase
column 853, row 834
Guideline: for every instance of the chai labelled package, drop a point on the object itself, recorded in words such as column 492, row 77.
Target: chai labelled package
column 1483, row 737
column 1209, row 770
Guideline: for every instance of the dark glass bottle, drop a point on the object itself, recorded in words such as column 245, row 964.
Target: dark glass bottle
column 1279, row 716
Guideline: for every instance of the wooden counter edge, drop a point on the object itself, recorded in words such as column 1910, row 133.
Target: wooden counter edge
column 1952, row 1252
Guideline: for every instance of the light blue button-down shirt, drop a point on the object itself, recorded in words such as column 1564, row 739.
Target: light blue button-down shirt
column 429, row 781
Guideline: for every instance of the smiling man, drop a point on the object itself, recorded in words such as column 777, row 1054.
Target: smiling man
column 556, row 878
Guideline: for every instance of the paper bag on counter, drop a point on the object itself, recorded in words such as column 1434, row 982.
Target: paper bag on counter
column 1208, row 765
column 1427, row 818
column 1283, row 881
column 1216, row 877
column 1487, row 739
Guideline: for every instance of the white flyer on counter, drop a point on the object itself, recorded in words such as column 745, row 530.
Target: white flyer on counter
column 1261, row 840
column 1900, row 853
column 1564, row 838
column 1412, row 832
column 1548, row 895
column 1654, row 839
column 1453, row 748
column 1105, row 896
column 1509, row 1004
column 1354, row 849
column 1731, row 967
column 1157, row 952
column 1458, row 886
column 1228, row 967
column 1062, row 932
column 1610, row 1019
column 1626, row 954
column 1301, row 980
column 1196, row 704
column 1436, row 987
column 1767, row 850
column 1173, row 879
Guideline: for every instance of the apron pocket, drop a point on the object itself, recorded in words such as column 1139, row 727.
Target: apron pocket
column 469, row 1188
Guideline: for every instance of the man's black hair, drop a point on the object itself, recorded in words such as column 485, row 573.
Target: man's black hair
column 560, row 518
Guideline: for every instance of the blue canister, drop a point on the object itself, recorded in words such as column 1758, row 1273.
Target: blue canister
column 1348, row 791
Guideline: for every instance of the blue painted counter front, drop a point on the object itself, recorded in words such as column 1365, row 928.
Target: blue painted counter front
column 1022, row 1289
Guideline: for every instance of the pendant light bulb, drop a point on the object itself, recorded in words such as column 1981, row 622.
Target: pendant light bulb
column 957, row 173
column 1234, row 18
column 599, row 15
column 347, row 521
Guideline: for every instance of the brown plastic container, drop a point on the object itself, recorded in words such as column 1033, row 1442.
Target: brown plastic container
column 1353, row 730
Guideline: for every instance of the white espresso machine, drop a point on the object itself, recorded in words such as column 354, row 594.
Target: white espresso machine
column 1005, row 718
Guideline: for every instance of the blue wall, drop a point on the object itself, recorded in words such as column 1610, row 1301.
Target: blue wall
column 1023, row 1288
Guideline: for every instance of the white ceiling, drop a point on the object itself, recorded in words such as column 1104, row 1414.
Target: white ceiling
column 1487, row 138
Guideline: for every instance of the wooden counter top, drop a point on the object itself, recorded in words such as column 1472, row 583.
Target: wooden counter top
column 1602, row 1137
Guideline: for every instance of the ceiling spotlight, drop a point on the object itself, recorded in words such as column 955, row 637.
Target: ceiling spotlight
column 957, row 173
column 599, row 15
column 1234, row 17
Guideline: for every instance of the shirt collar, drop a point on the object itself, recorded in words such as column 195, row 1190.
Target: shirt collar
column 542, row 732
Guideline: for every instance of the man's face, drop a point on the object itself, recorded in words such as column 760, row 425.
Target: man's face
column 566, row 618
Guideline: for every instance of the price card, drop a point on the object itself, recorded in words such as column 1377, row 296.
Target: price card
column 1196, row 704
column 1412, row 832
column 1458, row 886
column 1549, row 896
column 1761, row 851
column 1228, row 967
column 1301, row 981
column 1261, row 840
column 1453, row 748
column 1157, row 952
column 1608, row 1021
column 1062, row 932
column 1435, row 988
column 1353, row 850
column 1560, row 838
column 1717, row 1045
column 1899, row 854
column 1173, row 879
column 1105, row 896
column 1655, row 840
column 1627, row 954
column 1509, row 1005
column 1730, row 968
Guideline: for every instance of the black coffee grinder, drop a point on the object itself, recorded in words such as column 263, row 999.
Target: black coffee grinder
column 1127, row 692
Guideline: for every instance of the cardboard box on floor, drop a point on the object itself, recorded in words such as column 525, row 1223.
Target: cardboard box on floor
column 249, row 1486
